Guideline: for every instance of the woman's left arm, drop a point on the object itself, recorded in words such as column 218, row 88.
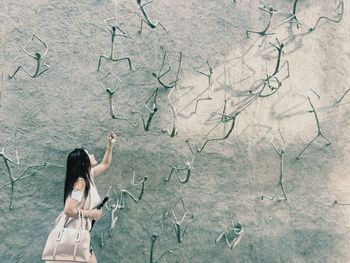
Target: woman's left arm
column 103, row 166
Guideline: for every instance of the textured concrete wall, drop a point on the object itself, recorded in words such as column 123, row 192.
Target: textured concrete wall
column 66, row 107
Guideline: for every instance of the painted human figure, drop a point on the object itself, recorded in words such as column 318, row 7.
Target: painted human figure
column 146, row 19
column 115, row 31
column 38, row 59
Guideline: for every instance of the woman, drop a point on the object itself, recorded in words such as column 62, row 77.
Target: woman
column 80, row 190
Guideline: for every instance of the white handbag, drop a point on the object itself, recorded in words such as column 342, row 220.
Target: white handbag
column 66, row 244
column 69, row 241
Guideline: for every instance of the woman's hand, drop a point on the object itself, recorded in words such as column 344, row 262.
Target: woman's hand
column 106, row 161
column 111, row 139
column 96, row 214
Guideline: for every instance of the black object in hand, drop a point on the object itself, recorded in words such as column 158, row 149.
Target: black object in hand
column 99, row 206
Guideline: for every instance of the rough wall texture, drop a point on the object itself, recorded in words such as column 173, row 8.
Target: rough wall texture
column 66, row 107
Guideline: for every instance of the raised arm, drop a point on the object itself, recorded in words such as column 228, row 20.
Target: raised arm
column 103, row 166
column 46, row 46
column 123, row 34
column 106, row 23
column 25, row 46
column 31, row 39
column 147, row 3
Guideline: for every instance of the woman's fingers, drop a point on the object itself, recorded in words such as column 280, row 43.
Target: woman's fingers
column 96, row 214
column 112, row 137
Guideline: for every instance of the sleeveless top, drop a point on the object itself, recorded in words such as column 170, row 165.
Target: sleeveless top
column 87, row 203
column 95, row 197
column 90, row 202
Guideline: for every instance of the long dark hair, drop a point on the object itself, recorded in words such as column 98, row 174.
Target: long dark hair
column 78, row 165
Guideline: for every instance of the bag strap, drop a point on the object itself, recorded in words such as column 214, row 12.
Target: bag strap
column 86, row 206
column 80, row 218
column 77, row 238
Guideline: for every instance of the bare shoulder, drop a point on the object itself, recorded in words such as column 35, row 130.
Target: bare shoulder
column 79, row 184
column 98, row 169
